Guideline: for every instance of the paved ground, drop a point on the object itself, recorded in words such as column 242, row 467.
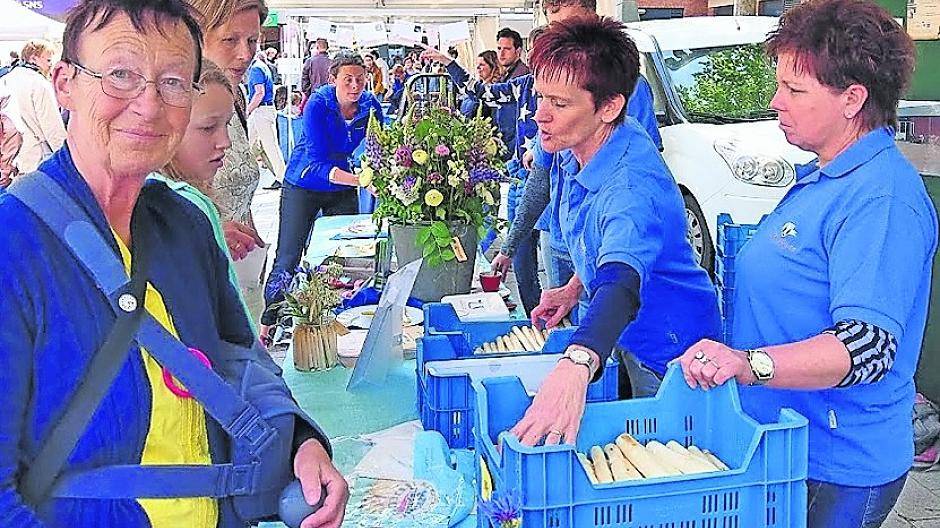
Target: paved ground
column 919, row 506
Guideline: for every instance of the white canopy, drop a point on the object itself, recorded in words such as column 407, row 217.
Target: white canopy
column 18, row 23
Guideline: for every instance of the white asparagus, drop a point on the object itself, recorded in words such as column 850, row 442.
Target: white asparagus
column 545, row 332
column 501, row 344
column 678, row 459
column 702, row 464
column 641, row 459
column 695, row 452
column 588, row 467
column 667, row 458
column 514, row 343
column 715, row 460
column 524, row 339
column 601, row 468
column 621, row 468
column 535, row 335
column 487, row 348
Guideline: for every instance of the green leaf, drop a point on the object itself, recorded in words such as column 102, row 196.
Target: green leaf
column 422, row 130
column 434, row 260
column 429, row 249
column 424, row 234
column 443, row 242
column 440, row 230
column 448, row 255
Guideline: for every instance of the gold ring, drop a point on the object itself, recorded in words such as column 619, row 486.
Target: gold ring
column 555, row 432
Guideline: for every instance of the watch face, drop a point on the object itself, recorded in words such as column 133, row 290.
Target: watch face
column 763, row 365
column 579, row 356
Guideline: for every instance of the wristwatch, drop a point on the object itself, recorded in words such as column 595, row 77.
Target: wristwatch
column 581, row 356
column 762, row 366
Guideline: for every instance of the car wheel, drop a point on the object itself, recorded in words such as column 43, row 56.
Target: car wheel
column 697, row 233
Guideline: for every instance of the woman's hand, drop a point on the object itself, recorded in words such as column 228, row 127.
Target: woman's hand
column 312, row 465
column 556, row 303
column 528, row 157
column 708, row 364
column 501, row 264
column 555, row 413
column 241, row 239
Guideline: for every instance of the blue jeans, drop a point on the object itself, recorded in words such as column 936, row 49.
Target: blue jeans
column 525, row 260
column 644, row 381
column 835, row 506
column 560, row 271
column 299, row 208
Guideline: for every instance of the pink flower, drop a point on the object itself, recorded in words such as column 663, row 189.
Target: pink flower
column 442, row 151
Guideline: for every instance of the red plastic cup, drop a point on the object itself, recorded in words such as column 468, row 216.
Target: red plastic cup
column 490, row 281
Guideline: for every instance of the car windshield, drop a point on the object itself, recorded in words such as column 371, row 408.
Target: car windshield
column 723, row 84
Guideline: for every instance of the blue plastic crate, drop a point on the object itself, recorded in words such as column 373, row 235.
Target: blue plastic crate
column 732, row 236
column 446, row 403
column 765, row 487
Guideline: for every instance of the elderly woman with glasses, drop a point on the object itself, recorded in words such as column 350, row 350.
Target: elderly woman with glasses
column 127, row 78
column 832, row 291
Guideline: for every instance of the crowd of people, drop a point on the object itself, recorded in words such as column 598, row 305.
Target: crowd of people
column 145, row 137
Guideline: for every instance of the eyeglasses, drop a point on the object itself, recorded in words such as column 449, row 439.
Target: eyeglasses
column 122, row 83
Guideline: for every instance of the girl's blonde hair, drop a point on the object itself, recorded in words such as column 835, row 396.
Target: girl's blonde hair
column 211, row 74
column 35, row 48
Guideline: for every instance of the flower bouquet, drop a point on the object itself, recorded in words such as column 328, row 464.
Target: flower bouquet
column 437, row 176
column 310, row 299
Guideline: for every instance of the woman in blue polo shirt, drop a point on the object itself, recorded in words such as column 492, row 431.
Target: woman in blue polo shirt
column 319, row 178
column 833, row 288
column 621, row 218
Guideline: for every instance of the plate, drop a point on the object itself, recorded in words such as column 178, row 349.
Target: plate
column 365, row 248
column 361, row 316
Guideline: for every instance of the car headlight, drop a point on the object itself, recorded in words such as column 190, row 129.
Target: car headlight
column 753, row 168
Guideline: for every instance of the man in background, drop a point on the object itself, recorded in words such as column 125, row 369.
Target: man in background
column 270, row 55
column 316, row 70
column 262, row 118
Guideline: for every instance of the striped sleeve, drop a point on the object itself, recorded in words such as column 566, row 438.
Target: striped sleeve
column 871, row 349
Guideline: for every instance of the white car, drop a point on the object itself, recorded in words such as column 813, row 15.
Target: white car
column 736, row 164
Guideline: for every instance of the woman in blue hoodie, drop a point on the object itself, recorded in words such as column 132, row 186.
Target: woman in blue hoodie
column 319, row 176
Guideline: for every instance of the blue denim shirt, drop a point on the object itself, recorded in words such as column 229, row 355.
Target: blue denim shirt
column 624, row 206
column 854, row 239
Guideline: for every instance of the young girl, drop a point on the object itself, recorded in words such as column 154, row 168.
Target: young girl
column 199, row 157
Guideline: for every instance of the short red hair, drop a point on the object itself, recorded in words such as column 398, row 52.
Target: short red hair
column 593, row 53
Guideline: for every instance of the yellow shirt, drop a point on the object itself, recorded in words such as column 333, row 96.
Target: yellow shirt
column 177, row 433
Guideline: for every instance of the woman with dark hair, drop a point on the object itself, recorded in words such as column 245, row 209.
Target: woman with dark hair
column 621, row 216
column 319, row 178
column 488, row 71
column 832, row 291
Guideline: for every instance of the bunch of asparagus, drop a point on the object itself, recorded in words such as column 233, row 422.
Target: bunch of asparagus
column 519, row 339
column 628, row 459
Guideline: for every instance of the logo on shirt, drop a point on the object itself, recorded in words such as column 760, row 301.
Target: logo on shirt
column 788, row 230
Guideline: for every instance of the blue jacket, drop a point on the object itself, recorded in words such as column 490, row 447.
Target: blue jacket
column 328, row 141
column 54, row 320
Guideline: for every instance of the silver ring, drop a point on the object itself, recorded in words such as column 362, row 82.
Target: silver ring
column 699, row 355
column 554, row 432
column 703, row 360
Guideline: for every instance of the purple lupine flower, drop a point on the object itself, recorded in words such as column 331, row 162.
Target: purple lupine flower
column 373, row 150
column 476, row 157
column 484, row 174
column 403, row 156
column 503, row 509
column 435, row 178
column 442, row 151
column 409, row 183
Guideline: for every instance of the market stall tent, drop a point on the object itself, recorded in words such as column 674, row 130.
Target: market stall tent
column 19, row 24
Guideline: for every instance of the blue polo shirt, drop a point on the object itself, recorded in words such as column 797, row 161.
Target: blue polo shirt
column 259, row 73
column 852, row 240
column 640, row 107
column 624, row 206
